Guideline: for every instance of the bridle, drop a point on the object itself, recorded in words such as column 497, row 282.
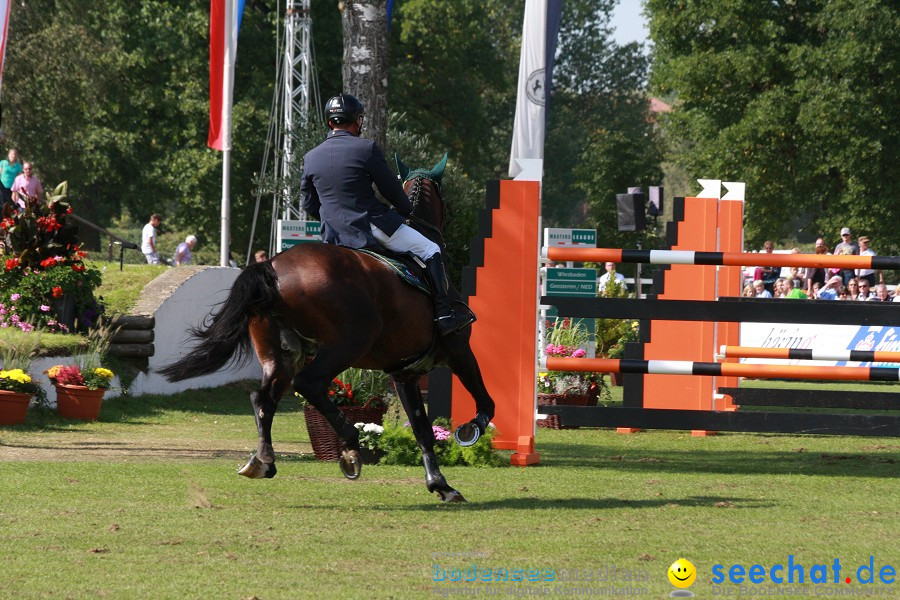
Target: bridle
column 416, row 197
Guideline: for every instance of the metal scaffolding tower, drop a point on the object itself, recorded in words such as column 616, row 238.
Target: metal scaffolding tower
column 298, row 89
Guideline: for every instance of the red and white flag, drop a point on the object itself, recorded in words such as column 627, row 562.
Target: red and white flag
column 224, row 24
column 4, row 28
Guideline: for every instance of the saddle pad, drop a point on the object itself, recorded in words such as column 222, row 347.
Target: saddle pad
column 402, row 270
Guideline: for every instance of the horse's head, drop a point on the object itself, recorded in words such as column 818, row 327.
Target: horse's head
column 423, row 186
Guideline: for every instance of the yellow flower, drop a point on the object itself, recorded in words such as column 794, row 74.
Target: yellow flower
column 103, row 372
column 16, row 375
column 53, row 371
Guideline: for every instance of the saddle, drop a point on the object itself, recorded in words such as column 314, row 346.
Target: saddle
column 407, row 266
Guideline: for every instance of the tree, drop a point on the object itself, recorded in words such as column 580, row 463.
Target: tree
column 797, row 99
column 365, row 61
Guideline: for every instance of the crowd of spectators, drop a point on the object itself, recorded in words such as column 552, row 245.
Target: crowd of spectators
column 827, row 283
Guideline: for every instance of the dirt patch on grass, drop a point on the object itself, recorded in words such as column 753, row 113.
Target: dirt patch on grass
column 88, row 449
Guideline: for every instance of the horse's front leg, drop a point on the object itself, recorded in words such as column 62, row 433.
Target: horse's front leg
column 276, row 377
column 411, row 398
column 464, row 365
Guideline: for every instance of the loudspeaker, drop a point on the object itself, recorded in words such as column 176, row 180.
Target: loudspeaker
column 630, row 212
column 655, row 208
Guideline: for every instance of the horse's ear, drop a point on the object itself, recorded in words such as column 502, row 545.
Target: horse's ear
column 402, row 169
column 438, row 171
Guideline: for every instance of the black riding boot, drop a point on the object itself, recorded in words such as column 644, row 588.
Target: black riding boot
column 447, row 321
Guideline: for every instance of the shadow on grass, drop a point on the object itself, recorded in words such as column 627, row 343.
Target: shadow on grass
column 717, row 460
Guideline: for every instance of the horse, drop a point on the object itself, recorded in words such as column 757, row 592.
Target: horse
column 315, row 310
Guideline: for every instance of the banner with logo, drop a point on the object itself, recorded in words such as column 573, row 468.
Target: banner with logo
column 819, row 337
column 539, row 33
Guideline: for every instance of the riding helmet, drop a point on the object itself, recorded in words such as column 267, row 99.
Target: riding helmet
column 343, row 108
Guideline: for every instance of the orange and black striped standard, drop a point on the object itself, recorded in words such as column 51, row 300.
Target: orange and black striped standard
column 686, row 367
column 810, row 354
column 732, row 259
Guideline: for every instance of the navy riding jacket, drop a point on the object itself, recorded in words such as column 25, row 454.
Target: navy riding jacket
column 337, row 189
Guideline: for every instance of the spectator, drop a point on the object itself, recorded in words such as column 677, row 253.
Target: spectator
column 853, row 289
column 796, row 275
column 760, row 288
column 27, row 185
column 9, row 170
column 865, row 290
column 611, row 274
column 842, row 293
column 148, row 239
column 768, row 275
column 846, row 247
column 260, row 256
column 748, row 292
column 815, row 290
column 868, row 274
column 881, row 294
column 792, row 292
column 830, row 290
column 183, row 251
column 779, row 288
column 813, row 275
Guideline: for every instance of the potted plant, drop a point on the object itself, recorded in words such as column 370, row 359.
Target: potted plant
column 17, row 388
column 360, row 395
column 79, row 392
column 567, row 339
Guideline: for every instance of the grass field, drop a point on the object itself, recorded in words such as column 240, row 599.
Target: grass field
column 146, row 503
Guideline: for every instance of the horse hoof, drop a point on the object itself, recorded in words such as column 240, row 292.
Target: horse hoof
column 450, row 495
column 468, row 434
column 351, row 464
column 257, row 469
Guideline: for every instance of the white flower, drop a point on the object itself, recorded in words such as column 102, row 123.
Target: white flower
column 372, row 427
column 359, row 426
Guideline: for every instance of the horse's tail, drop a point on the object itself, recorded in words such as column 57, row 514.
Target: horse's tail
column 227, row 339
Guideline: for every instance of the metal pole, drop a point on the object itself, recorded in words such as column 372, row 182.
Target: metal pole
column 227, row 85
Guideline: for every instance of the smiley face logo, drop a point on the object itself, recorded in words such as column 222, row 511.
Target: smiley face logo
column 682, row 573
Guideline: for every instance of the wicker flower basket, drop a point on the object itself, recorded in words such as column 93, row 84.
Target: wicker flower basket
column 325, row 442
column 570, row 399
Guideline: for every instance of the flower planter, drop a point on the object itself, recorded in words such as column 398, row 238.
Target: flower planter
column 325, row 442
column 78, row 402
column 13, row 407
column 371, row 457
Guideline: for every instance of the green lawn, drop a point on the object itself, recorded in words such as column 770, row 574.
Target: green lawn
column 146, row 504
column 121, row 289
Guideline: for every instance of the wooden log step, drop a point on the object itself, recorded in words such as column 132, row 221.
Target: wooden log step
column 132, row 336
column 132, row 350
column 134, row 322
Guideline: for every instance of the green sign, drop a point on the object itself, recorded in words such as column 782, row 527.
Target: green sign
column 570, row 282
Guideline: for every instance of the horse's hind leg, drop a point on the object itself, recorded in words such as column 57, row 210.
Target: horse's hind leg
column 312, row 383
column 464, row 365
column 277, row 372
column 411, row 398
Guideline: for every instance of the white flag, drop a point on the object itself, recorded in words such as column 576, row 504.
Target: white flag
column 539, row 32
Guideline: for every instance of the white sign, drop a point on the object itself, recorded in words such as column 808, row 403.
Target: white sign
column 291, row 233
column 578, row 238
column 825, row 338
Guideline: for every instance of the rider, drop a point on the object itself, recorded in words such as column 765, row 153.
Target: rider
column 337, row 184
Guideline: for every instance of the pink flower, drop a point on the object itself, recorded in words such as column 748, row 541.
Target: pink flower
column 15, row 297
column 45, row 308
column 440, row 434
column 579, row 353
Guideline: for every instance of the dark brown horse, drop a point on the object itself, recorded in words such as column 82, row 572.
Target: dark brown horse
column 317, row 309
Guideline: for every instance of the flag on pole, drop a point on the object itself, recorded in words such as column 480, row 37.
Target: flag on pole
column 4, row 29
column 220, row 61
column 539, row 33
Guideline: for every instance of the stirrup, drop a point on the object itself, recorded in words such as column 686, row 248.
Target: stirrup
column 455, row 324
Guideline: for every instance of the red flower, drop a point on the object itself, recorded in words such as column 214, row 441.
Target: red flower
column 11, row 263
column 48, row 262
column 78, row 268
column 57, row 292
column 7, row 223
